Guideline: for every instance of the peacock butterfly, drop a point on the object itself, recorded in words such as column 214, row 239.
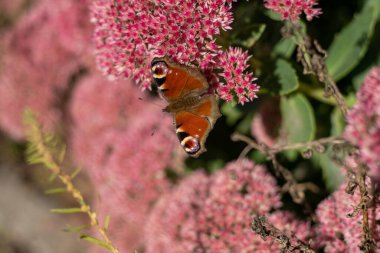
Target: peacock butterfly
column 194, row 109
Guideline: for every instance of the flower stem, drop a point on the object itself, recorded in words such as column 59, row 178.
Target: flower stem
column 45, row 155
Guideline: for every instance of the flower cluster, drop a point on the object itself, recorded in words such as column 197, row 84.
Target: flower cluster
column 339, row 233
column 234, row 63
column 41, row 54
column 125, row 145
column 292, row 9
column 127, row 39
column 363, row 127
column 213, row 213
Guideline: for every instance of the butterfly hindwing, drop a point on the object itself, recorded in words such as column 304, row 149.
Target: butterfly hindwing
column 194, row 125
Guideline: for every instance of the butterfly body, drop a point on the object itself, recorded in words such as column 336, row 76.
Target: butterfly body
column 194, row 109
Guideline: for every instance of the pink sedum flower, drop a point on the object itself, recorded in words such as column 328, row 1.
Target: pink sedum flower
column 129, row 34
column 125, row 145
column 338, row 233
column 100, row 110
column 41, row 54
column 213, row 213
column 234, row 63
column 172, row 225
column 292, row 9
column 363, row 127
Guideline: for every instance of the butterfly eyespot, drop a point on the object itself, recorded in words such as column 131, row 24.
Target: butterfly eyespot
column 159, row 70
column 191, row 145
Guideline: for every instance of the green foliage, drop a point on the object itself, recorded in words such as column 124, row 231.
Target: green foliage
column 248, row 36
column 231, row 112
column 67, row 210
column 350, row 45
column 56, row 190
column 287, row 77
column 46, row 149
column 332, row 175
column 245, row 124
column 337, row 122
column 75, row 173
column 96, row 241
column 298, row 118
column 43, row 148
column 284, row 48
column 107, row 222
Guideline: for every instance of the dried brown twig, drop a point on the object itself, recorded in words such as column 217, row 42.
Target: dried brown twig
column 312, row 56
column 356, row 178
column 289, row 244
column 295, row 189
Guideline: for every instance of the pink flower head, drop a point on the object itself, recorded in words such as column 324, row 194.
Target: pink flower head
column 363, row 127
column 237, row 82
column 172, row 225
column 213, row 214
column 100, row 110
column 125, row 145
column 129, row 34
column 41, row 54
column 292, row 9
column 339, row 233
column 133, row 176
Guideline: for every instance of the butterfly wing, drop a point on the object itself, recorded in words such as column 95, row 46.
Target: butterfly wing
column 194, row 125
column 176, row 81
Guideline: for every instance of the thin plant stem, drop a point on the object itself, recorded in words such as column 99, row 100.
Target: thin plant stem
column 37, row 138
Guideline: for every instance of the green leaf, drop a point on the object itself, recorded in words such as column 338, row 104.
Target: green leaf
column 258, row 157
column 52, row 178
column 248, row 36
column 75, row 173
column 273, row 15
column 244, row 127
column 61, row 155
column 106, row 222
column 337, row 122
column 66, row 210
column 285, row 48
column 96, row 241
column 316, row 93
column 332, row 175
column 291, row 155
column 350, row 45
column 231, row 112
column 286, row 76
column 214, row 165
column 298, row 118
column 56, row 190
